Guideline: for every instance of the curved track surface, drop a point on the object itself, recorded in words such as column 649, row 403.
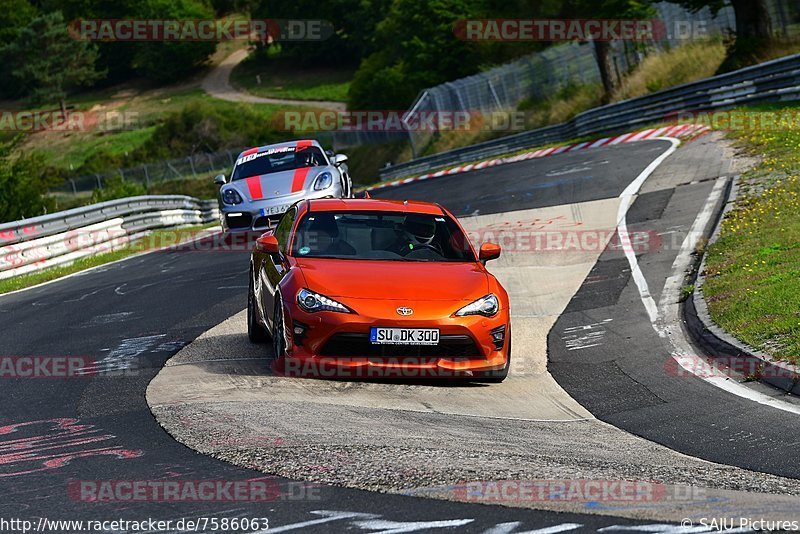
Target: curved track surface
column 132, row 316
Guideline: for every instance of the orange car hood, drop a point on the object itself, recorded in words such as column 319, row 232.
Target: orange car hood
column 395, row 280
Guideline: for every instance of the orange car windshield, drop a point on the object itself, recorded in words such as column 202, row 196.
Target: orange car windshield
column 381, row 236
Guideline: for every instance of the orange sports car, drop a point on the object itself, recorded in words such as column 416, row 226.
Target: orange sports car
column 378, row 288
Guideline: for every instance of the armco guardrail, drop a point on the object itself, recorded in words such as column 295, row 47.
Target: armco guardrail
column 38, row 243
column 774, row 81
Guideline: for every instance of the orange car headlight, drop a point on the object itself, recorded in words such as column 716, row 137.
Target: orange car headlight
column 314, row 302
column 487, row 306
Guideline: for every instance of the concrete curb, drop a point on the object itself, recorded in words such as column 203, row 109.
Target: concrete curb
column 719, row 344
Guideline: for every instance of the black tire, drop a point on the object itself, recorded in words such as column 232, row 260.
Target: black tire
column 256, row 332
column 278, row 336
column 498, row 376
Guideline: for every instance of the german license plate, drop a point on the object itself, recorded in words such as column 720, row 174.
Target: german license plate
column 274, row 210
column 403, row 336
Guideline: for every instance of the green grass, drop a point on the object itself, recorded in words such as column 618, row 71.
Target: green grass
column 683, row 64
column 753, row 270
column 285, row 79
column 69, row 150
column 73, row 154
column 155, row 240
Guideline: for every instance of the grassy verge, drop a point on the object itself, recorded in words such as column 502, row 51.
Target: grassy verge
column 684, row 64
column 143, row 110
column 283, row 78
column 153, row 241
column 753, row 270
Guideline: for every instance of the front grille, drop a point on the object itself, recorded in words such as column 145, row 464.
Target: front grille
column 349, row 345
column 263, row 223
column 238, row 222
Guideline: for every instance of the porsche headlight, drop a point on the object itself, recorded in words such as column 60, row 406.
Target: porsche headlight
column 487, row 306
column 314, row 302
column 231, row 197
column 323, row 181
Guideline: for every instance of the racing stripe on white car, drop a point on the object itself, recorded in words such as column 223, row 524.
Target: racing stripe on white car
column 680, row 131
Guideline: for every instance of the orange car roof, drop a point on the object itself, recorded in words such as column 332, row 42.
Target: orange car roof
column 374, row 204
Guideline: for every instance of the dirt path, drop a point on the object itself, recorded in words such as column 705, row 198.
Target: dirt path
column 218, row 84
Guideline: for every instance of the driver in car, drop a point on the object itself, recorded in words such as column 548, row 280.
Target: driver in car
column 306, row 158
column 419, row 233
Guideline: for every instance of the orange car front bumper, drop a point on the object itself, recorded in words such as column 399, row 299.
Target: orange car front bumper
column 336, row 345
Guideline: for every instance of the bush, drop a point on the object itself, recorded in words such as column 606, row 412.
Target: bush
column 22, row 188
column 205, row 127
column 202, row 187
column 116, row 187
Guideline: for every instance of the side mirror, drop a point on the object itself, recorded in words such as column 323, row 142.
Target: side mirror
column 267, row 243
column 338, row 159
column 219, row 179
column 489, row 252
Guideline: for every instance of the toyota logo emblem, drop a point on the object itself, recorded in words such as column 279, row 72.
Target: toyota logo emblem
column 405, row 311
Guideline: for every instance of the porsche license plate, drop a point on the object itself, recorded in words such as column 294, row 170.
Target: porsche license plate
column 274, row 210
column 403, row 336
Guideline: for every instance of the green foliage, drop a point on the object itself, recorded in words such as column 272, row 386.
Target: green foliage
column 608, row 9
column 225, row 7
column 157, row 61
column 416, row 49
column 167, row 61
column 354, row 24
column 696, row 5
column 22, row 189
column 116, row 187
column 202, row 187
column 753, row 29
column 205, row 127
column 16, row 15
column 46, row 61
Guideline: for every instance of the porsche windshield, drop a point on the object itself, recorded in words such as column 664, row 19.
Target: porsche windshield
column 277, row 160
column 381, row 236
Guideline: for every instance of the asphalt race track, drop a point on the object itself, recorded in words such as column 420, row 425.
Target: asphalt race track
column 132, row 316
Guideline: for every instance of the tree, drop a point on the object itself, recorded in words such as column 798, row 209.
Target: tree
column 47, row 61
column 415, row 48
column 22, row 189
column 753, row 29
column 752, row 16
column 608, row 9
column 15, row 16
column 165, row 61
column 353, row 21
column 168, row 61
